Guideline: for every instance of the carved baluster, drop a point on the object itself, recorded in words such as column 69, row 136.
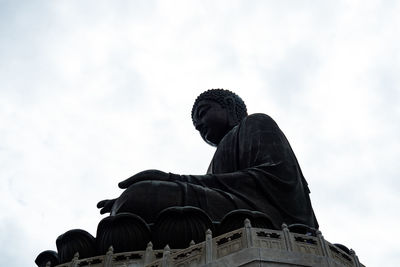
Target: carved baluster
column 209, row 246
column 249, row 235
column 324, row 245
column 286, row 237
column 166, row 256
column 109, row 257
column 74, row 262
column 355, row 257
column 149, row 254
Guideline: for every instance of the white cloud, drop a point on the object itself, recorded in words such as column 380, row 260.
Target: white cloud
column 93, row 92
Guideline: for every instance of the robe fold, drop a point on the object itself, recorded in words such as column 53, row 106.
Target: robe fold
column 255, row 168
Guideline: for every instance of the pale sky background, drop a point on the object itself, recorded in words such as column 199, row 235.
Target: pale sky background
column 92, row 92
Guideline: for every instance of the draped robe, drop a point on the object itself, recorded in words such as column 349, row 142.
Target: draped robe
column 253, row 168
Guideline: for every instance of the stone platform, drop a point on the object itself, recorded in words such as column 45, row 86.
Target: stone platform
column 247, row 246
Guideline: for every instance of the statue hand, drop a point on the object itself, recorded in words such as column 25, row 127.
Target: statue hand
column 145, row 176
column 106, row 205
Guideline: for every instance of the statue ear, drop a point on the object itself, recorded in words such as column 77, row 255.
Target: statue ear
column 231, row 107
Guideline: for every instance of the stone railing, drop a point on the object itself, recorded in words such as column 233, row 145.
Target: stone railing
column 308, row 249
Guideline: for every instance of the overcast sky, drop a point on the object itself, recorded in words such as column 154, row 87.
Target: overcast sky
column 92, row 92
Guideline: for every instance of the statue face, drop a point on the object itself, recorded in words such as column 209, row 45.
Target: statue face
column 212, row 121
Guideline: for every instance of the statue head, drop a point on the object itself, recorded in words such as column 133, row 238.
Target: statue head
column 215, row 112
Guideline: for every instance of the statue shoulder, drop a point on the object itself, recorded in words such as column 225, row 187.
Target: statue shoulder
column 259, row 119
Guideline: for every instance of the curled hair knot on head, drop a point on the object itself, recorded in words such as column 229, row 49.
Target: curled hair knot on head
column 220, row 96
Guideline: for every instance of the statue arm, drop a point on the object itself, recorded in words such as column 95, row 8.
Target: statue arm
column 265, row 148
column 148, row 175
column 249, row 177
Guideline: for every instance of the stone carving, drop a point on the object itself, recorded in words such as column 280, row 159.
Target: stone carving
column 253, row 174
column 47, row 257
column 246, row 246
column 253, row 168
column 75, row 241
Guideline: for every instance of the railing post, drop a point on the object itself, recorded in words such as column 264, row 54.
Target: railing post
column 74, row 262
column 286, row 237
column 249, row 235
column 324, row 245
column 149, row 254
column 166, row 256
column 355, row 258
column 209, row 246
column 109, row 257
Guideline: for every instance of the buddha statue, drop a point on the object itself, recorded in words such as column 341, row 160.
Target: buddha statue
column 253, row 169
